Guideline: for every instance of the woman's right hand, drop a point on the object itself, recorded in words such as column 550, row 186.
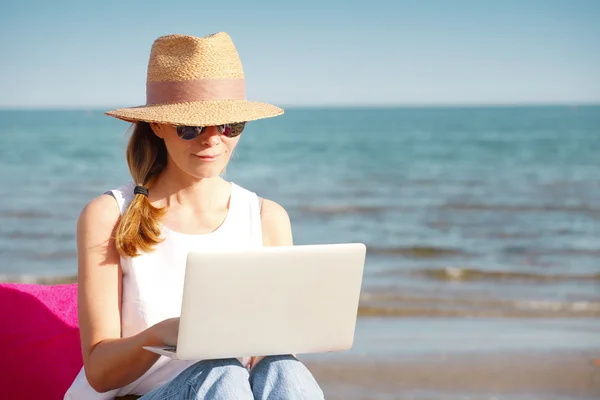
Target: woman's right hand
column 166, row 331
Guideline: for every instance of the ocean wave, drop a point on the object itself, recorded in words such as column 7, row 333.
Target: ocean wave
column 520, row 208
column 583, row 311
column 21, row 235
column 393, row 305
column 343, row 209
column 532, row 251
column 505, row 235
column 471, row 274
column 416, row 251
column 389, row 304
column 57, row 255
column 575, row 306
column 25, row 214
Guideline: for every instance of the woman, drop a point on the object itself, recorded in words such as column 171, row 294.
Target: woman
column 133, row 241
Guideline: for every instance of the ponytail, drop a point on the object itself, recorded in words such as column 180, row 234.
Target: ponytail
column 138, row 229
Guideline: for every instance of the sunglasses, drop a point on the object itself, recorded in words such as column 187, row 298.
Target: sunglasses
column 192, row 132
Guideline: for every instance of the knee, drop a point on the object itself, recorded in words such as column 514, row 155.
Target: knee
column 283, row 377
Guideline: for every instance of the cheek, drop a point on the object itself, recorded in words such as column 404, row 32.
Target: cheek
column 231, row 143
column 178, row 149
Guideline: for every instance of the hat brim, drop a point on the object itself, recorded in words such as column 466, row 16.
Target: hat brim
column 198, row 113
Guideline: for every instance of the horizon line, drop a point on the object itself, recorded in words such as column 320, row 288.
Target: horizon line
column 338, row 106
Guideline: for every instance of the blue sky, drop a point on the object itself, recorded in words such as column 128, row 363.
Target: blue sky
column 93, row 54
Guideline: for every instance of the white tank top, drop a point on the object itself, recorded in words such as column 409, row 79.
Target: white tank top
column 153, row 283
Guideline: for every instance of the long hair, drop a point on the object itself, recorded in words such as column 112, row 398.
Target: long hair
column 138, row 229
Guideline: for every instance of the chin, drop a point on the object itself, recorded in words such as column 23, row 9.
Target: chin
column 208, row 171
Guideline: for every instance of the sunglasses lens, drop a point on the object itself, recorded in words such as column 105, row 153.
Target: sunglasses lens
column 232, row 130
column 192, row 132
column 189, row 132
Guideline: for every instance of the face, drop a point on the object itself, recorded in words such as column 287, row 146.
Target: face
column 206, row 156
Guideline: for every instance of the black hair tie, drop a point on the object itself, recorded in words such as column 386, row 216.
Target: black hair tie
column 140, row 190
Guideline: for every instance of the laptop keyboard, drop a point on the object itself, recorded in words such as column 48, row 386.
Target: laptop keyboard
column 172, row 349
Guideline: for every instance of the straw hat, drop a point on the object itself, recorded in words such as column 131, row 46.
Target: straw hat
column 195, row 81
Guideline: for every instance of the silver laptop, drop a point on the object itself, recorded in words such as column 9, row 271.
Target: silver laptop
column 268, row 301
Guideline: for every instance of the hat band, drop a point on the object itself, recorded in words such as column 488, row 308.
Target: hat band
column 161, row 92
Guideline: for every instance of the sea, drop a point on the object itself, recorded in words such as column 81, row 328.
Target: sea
column 469, row 214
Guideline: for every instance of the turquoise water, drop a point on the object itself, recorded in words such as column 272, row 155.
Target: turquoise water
column 466, row 212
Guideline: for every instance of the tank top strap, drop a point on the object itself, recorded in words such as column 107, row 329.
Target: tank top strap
column 123, row 196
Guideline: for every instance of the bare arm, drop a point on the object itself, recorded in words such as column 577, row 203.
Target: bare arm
column 110, row 362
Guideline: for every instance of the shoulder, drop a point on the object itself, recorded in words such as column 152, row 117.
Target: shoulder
column 276, row 226
column 99, row 215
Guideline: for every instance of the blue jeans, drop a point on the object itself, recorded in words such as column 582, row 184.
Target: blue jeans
column 273, row 378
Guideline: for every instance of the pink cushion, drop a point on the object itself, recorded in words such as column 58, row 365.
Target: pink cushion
column 39, row 335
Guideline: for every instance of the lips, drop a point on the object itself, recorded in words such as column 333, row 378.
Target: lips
column 208, row 157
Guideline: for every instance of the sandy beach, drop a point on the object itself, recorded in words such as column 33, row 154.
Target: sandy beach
column 541, row 375
column 461, row 358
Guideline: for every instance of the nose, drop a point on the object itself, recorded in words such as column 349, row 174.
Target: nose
column 211, row 136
